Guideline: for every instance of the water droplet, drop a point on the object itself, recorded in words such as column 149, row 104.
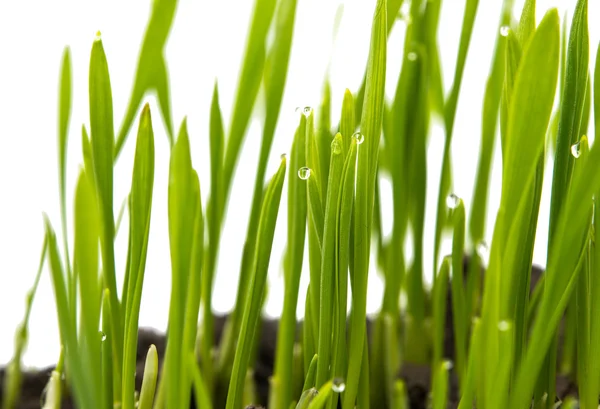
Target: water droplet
column 447, row 365
column 360, row 138
column 452, row 201
column 304, row 173
column 307, row 111
column 98, row 35
column 102, row 336
column 336, row 146
column 483, row 250
column 283, row 156
column 412, row 56
column 338, row 385
column 404, row 13
column 576, row 150
column 504, row 30
column 503, row 325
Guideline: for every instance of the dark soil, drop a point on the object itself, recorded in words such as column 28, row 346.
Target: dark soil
column 416, row 377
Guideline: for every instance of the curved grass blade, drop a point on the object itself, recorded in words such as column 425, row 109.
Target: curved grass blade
column 108, row 373
column 440, row 385
column 149, row 381
column 83, row 390
column 459, row 313
column 491, row 104
column 328, row 261
column 53, row 390
column 323, row 137
column 140, row 209
column 64, row 115
column 449, row 116
column 347, row 123
column 439, row 297
column 183, row 198
column 296, row 233
column 371, row 121
column 307, row 397
column 87, row 233
column 529, row 113
column 102, row 143
column 248, row 86
column 256, row 288
column 194, row 287
column 571, row 106
column 151, row 72
column 13, row 376
column 217, row 136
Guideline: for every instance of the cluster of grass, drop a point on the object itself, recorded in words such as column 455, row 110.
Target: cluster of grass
column 506, row 339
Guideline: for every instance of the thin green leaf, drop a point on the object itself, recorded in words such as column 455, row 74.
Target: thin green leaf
column 142, row 186
column 256, row 288
column 371, row 124
column 149, row 381
column 151, row 72
column 102, row 143
column 296, row 232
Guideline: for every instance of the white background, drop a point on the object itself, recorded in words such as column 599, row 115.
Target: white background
column 207, row 42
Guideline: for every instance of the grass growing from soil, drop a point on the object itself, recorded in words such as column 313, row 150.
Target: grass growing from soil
column 541, row 91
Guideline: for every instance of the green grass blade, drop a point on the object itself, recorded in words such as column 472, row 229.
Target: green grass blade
column 275, row 74
column 13, row 376
column 311, row 374
column 83, row 390
column 322, row 397
column 248, row 86
column 371, row 121
column 309, row 349
column 534, row 88
column 201, row 391
column 108, row 368
column 149, row 381
column 87, row 228
column 324, row 137
column 64, row 115
column 151, row 72
column 142, row 186
column 343, row 226
column 459, row 312
column 256, row 287
column 102, row 143
column 194, row 287
column 296, row 233
column 182, row 207
column 469, row 385
column 571, row 105
column 449, row 116
column 328, row 261
column 306, row 398
column 597, row 97
column 572, row 102
column 348, row 122
column 439, row 297
column 217, row 136
column 440, row 385
column 491, row 103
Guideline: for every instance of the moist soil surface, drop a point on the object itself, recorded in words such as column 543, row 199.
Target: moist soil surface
column 416, row 376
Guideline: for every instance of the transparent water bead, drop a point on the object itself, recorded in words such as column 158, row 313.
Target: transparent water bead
column 504, row 30
column 452, row 201
column 576, row 150
column 102, row 336
column 283, row 156
column 447, row 365
column 336, row 146
column 338, row 385
column 360, row 138
column 483, row 250
column 304, row 173
column 503, row 325
column 412, row 56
